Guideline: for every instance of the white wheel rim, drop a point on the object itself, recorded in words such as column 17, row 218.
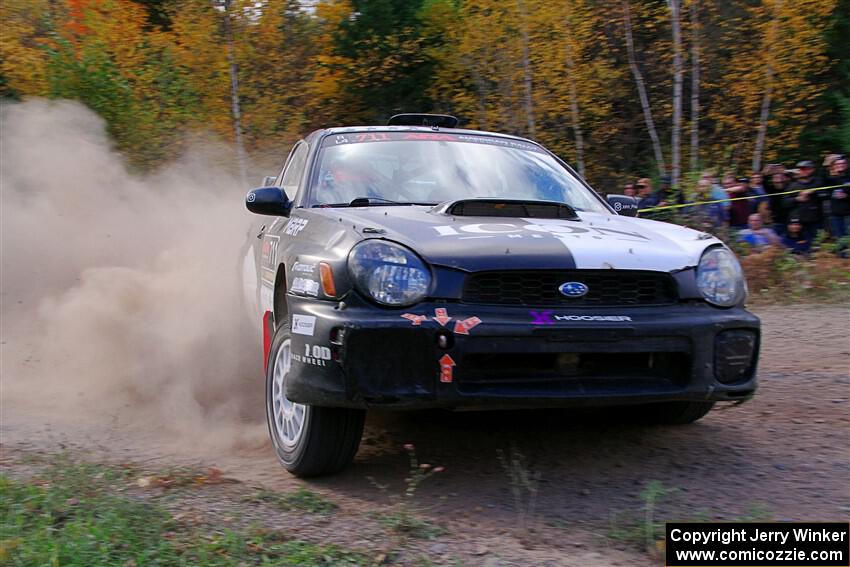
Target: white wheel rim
column 288, row 417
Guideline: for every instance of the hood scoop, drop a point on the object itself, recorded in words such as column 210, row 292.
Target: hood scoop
column 514, row 208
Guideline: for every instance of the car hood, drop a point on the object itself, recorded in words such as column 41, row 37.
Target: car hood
column 474, row 243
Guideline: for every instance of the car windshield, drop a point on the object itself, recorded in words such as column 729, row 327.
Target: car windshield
column 386, row 168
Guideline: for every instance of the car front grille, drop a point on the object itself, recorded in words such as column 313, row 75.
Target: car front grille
column 602, row 373
column 540, row 288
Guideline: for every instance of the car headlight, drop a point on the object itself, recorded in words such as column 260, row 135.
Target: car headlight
column 389, row 273
column 719, row 277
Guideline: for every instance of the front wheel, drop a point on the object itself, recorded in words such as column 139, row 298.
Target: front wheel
column 308, row 440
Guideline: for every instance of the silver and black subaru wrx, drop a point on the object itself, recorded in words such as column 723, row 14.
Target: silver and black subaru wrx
column 418, row 265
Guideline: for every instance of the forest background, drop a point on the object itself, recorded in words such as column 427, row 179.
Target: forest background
column 619, row 89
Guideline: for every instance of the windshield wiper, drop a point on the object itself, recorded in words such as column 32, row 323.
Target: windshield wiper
column 369, row 201
column 366, row 201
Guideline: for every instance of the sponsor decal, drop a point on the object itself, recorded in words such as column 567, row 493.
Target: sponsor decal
column 611, row 318
column 251, row 197
column 541, row 317
column 429, row 136
column 303, row 268
column 305, row 286
column 364, row 137
column 442, row 318
column 372, row 137
column 446, row 369
column 573, row 289
column 557, row 229
column 314, row 355
column 416, row 320
column 268, row 258
column 294, row 226
column 303, row 324
column 463, row 327
column 266, row 298
column 504, row 142
column 548, row 317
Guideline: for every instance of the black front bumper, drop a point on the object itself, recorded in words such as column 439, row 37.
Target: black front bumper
column 493, row 356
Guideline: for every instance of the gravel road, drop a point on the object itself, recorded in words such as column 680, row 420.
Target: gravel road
column 784, row 456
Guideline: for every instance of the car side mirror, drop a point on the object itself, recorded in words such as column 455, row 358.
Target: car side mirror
column 623, row 205
column 268, row 201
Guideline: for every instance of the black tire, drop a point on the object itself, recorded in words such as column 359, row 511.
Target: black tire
column 329, row 437
column 672, row 413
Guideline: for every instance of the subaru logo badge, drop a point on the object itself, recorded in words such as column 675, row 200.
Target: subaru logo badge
column 573, row 289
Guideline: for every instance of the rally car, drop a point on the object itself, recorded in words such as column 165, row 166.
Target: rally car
column 418, row 265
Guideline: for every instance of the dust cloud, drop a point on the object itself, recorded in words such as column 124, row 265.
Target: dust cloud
column 120, row 292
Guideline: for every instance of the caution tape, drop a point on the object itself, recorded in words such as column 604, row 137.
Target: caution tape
column 765, row 196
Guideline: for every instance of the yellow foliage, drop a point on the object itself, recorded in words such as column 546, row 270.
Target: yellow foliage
column 293, row 74
column 200, row 49
column 22, row 56
column 787, row 37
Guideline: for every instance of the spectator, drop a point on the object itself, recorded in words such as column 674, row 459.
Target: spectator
column 629, row 190
column 829, row 160
column 648, row 199
column 761, row 204
column 717, row 191
column 708, row 216
column 806, row 205
column 668, row 193
column 794, row 239
column 757, row 236
column 739, row 211
column 839, row 197
column 777, row 183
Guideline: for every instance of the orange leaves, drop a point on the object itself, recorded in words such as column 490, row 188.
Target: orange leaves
column 75, row 23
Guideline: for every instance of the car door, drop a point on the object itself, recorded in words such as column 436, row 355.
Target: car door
column 270, row 255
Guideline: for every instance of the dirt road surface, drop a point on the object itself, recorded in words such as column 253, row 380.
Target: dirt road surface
column 784, row 456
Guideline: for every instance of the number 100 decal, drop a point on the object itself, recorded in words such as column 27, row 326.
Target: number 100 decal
column 316, row 355
column 316, row 351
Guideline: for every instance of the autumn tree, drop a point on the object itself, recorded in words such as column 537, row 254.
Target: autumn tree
column 276, row 59
column 771, row 80
column 605, row 85
column 102, row 53
column 573, row 78
column 373, row 60
column 23, row 61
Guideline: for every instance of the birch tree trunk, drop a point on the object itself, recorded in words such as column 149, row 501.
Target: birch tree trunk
column 234, row 94
column 764, row 114
column 641, row 86
column 481, row 88
column 676, row 134
column 526, row 68
column 695, row 85
column 574, row 104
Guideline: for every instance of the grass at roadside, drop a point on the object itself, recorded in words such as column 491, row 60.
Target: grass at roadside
column 777, row 276
column 79, row 514
column 302, row 499
column 645, row 529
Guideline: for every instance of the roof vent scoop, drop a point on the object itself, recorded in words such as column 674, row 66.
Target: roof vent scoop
column 514, row 208
column 430, row 120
